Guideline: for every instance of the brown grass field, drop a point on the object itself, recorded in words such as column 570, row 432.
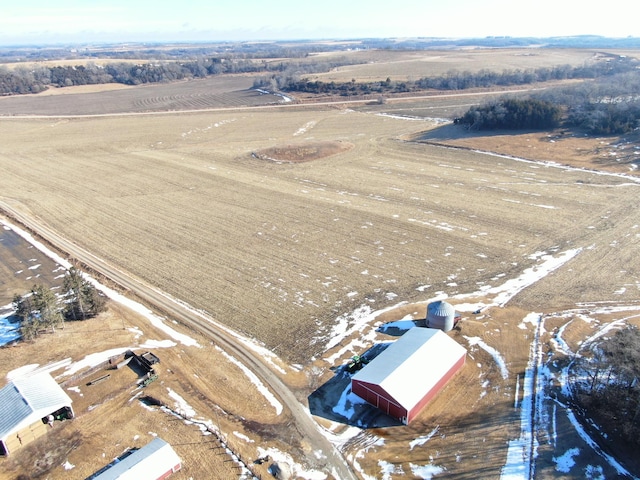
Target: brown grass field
column 278, row 250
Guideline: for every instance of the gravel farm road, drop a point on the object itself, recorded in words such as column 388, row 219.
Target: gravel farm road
column 334, row 464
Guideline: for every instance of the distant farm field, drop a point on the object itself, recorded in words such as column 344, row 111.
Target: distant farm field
column 376, row 65
column 278, row 251
column 212, row 92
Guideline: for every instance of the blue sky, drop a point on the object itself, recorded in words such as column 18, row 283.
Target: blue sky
column 52, row 21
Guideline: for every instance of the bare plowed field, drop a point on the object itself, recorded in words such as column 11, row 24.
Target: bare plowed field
column 278, row 251
column 213, row 92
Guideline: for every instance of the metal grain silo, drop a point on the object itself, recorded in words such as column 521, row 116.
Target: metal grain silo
column 440, row 315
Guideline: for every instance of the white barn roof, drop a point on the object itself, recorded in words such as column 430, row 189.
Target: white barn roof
column 26, row 400
column 413, row 364
column 151, row 462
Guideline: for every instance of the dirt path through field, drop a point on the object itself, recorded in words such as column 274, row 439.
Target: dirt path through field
column 305, row 425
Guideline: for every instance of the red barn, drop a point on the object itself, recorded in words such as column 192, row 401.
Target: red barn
column 410, row 372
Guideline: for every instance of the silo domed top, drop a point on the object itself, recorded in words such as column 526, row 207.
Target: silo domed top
column 440, row 309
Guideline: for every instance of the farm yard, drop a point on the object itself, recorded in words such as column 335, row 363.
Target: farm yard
column 316, row 232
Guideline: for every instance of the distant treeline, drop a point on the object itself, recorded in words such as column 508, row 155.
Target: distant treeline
column 288, row 81
column 577, row 41
column 22, row 79
column 605, row 106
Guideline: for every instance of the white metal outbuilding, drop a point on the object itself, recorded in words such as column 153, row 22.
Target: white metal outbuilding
column 410, row 372
column 157, row 460
column 24, row 403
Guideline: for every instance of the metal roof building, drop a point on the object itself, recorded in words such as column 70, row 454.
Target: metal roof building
column 24, row 403
column 155, row 461
column 410, row 372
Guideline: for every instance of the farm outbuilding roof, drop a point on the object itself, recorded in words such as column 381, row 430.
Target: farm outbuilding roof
column 410, row 371
column 156, row 460
column 26, row 400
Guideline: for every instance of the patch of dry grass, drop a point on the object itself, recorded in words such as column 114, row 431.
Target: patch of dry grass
column 110, row 417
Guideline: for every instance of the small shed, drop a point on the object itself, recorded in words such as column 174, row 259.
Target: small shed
column 28, row 407
column 157, row 460
column 410, row 372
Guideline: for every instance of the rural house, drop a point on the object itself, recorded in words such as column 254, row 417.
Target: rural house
column 28, row 407
column 410, row 372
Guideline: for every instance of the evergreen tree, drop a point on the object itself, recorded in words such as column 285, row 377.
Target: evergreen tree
column 37, row 310
column 84, row 301
column 47, row 305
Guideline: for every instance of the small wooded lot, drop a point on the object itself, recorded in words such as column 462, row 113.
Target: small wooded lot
column 606, row 384
column 41, row 309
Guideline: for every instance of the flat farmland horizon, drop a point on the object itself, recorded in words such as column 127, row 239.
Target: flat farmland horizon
column 279, row 251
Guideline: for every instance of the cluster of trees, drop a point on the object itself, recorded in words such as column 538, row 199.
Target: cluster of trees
column 607, row 105
column 611, row 392
column 41, row 309
column 606, row 118
column 603, row 106
column 512, row 114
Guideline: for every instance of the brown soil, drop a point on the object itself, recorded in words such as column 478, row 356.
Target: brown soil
column 304, row 152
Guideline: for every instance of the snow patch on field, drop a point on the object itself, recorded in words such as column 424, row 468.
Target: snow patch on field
column 422, row 440
column 358, row 321
column 565, row 462
column 305, row 128
column 182, row 407
column 426, row 472
column 255, row 380
column 497, row 357
column 297, row 470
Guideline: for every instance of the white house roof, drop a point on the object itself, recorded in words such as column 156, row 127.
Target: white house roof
column 412, row 365
column 25, row 400
column 148, row 463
